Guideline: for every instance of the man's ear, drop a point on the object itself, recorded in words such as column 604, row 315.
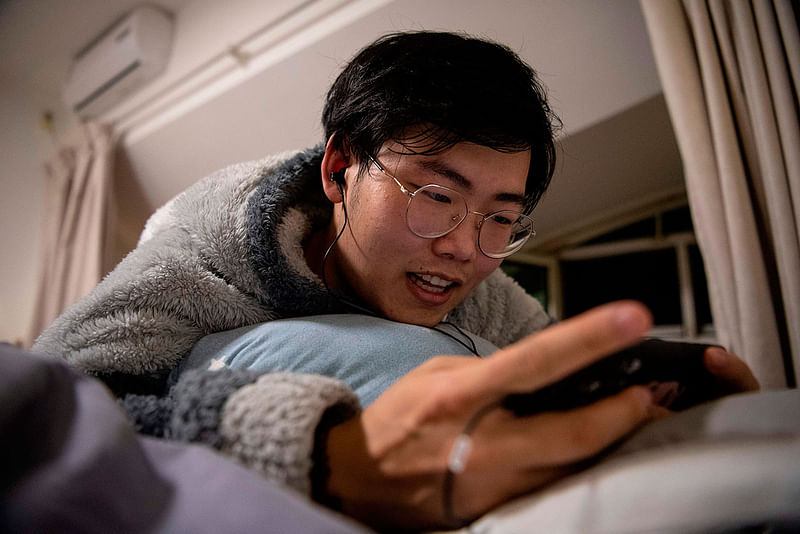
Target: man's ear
column 335, row 163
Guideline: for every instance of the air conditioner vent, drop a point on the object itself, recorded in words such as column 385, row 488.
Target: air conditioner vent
column 126, row 56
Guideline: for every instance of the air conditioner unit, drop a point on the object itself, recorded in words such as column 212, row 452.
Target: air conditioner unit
column 130, row 53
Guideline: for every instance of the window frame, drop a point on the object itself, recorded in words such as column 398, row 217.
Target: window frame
column 687, row 330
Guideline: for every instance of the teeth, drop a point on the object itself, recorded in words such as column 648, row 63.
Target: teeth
column 431, row 283
column 435, row 280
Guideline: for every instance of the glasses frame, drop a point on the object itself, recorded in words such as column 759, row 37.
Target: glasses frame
column 483, row 216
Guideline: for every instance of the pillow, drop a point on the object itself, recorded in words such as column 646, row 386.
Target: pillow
column 367, row 353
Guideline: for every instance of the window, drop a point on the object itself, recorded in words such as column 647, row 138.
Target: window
column 654, row 260
column 650, row 276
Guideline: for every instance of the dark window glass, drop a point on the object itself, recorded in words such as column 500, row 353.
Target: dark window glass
column 650, row 277
column 532, row 278
column 677, row 221
column 700, row 287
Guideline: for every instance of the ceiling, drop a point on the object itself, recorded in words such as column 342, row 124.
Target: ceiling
column 38, row 38
column 617, row 147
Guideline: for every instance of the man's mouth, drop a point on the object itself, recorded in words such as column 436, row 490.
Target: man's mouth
column 431, row 283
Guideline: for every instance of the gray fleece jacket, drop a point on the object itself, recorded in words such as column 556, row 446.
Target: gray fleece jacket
column 226, row 253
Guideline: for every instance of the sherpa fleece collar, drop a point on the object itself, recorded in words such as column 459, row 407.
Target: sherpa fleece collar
column 283, row 211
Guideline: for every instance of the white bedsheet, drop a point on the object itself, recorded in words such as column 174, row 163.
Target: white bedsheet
column 716, row 467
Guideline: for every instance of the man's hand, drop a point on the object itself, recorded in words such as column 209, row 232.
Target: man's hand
column 387, row 465
column 731, row 373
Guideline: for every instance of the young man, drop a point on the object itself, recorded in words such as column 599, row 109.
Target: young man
column 438, row 146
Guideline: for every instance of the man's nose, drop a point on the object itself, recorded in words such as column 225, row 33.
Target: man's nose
column 462, row 242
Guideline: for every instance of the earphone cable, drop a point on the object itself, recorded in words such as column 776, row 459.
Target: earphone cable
column 471, row 347
column 330, row 247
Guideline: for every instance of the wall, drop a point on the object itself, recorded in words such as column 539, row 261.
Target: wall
column 594, row 57
column 203, row 28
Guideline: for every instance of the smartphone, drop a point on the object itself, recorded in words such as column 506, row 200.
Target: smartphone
column 673, row 370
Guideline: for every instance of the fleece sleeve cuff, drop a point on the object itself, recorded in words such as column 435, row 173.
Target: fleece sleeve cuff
column 270, row 425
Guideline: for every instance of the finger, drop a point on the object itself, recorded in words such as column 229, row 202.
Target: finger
column 659, row 412
column 554, row 353
column 561, row 438
column 729, row 368
column 558, row 439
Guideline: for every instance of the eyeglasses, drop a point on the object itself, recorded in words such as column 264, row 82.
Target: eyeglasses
column 434, row 211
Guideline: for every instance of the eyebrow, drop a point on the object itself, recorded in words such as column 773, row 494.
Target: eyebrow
column 457, row 178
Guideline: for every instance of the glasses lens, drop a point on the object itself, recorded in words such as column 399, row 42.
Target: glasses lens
column 503, row 233
column 435, row 210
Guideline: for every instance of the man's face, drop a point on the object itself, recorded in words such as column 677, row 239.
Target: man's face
column 411, row 279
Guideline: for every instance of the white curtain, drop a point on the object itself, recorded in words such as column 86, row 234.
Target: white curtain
column 730, row 71
column 76, row 229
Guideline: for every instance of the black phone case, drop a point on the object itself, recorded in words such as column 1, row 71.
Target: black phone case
column 650, row 361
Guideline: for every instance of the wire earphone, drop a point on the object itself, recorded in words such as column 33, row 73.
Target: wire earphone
column 338, row 178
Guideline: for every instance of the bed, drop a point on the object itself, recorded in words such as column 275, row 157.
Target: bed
column 722, row 466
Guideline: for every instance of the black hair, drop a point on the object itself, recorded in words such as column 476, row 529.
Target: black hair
column 448, row 88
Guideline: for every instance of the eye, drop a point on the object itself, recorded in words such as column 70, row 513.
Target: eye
column 499, row 218
column 439, row 196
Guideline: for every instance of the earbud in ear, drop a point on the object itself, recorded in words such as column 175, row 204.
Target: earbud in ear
column 338, row 177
